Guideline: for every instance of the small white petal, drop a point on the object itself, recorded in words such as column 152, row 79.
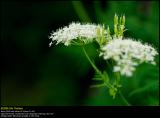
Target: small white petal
column 84, row 32
column 116, row 68
column 50, row 44
column 127, row 54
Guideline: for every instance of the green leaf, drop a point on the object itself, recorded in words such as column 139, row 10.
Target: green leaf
column 97, row 76
column 98, row 85
column 112, row 92
column 115, row 19
column 105, row 77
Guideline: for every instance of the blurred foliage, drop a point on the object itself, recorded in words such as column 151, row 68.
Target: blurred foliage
column 34, row 74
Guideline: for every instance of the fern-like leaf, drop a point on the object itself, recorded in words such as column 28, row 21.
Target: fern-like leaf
column 97, row 76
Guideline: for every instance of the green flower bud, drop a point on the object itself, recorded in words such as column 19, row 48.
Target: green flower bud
column 123, row 20
column 115, row 19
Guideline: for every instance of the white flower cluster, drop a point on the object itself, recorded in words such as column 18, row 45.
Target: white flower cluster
column 84, row 32
column 127, row 54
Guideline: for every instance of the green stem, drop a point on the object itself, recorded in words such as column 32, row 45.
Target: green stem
column 124, row 99
column 76, row 43
column 93, row 65
column 117, row 76
column 107, row 84
column 96, row 69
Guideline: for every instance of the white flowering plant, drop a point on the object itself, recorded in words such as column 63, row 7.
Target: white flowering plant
column 122, row 54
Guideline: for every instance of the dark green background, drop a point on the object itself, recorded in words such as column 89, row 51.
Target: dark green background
column 34, row 74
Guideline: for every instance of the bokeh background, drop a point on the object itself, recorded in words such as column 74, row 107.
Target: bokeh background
column 35, row 75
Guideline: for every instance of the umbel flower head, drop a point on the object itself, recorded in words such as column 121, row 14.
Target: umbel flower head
column 127, row 54
column 84, row 32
